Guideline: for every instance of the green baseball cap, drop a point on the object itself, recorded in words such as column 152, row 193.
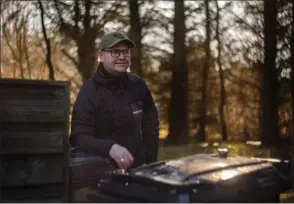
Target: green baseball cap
column 109, row 40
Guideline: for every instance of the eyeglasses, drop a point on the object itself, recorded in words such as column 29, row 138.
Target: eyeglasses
column 116, row 53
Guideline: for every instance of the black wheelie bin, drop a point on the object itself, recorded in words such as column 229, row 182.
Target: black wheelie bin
column 85, row 171
column 198, row 178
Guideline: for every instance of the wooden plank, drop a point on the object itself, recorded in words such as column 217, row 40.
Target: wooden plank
column 41, row 193
column 66, row 146
column 31, row 93
column 32, row 170
column 1, row 200
column 32, row 142
column 21, row 82
column 32, row 138
column 32, row 110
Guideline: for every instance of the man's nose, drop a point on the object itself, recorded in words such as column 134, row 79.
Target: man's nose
column 121, row 55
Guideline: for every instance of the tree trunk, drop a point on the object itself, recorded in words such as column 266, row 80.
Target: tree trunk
column 136, row 36
column 270, row 121
column 292, row 65
column 26, row 50
column 203, row 118
column 178, row 109
column 47, row 41
column 19, row 43
column 221, row 77
column 87, row 55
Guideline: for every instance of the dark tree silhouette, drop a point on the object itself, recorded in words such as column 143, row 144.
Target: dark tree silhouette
column 136, row 36
column 270, row 121
column 178, row 118
column 47, row 41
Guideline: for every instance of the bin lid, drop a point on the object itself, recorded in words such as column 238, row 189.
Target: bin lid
column 206, row 174
column 201, row 168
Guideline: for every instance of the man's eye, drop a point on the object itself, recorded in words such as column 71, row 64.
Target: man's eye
column 116, row 51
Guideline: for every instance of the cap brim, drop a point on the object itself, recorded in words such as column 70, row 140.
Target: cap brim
column 129, row 43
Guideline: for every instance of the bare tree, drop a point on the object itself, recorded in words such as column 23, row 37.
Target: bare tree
column 80, row 22
column 221, row 76
column 19, row 44
column 292, row 65
column 203, row 117
column 47, row 41
column 14, row 21
column 25, row 41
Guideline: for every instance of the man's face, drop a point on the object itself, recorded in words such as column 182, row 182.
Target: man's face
column 117, row 59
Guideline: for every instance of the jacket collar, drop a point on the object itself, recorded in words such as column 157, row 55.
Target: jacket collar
column 102, row 76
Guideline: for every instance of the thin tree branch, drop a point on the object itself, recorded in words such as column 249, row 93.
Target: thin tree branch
column 66, row 27
column 8, row 43
column 19, row 46
column 77, row 15
column 108, row 15
column 235, row 79
column 87, row 17
column 70, row 78
column 244, row 22
column 191, row 11
column 74, row 61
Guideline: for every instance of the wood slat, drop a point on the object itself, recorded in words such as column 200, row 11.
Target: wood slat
column 34, row 83
column 32, row 142
column 39, row 193
column 33, row 138
column 30, row 93
column 1, row 162
column 32, row 170
column 32, row 111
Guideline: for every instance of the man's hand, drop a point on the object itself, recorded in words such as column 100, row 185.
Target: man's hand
column 122, row 156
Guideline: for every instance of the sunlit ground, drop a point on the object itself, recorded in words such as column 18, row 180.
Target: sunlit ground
column 251, row 149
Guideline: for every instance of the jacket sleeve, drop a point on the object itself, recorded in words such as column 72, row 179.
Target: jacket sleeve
column 150, row 128
column 82, row 124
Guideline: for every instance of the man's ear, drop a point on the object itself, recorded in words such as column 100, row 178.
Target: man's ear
column 100, row 56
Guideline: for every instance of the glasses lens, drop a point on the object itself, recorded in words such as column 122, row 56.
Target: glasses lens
column 115, row 53
column 126, row 53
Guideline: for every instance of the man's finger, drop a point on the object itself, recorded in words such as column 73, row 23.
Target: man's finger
column 128, row 159
column 118, row 162
column 128, row 162
column 129, row 156
column 124, row 163
column 131, row 161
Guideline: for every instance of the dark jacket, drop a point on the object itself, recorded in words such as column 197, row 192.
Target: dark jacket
column 118, row 110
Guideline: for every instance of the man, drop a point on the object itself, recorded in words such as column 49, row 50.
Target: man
column 114, row 113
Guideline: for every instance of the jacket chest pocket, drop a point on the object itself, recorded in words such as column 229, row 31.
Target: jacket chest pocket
column 137, row 113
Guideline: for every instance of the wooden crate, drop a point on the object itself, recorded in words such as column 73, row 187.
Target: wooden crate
column 34, row 118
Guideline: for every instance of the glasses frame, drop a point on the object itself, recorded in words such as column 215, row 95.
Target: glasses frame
column 123, row 52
